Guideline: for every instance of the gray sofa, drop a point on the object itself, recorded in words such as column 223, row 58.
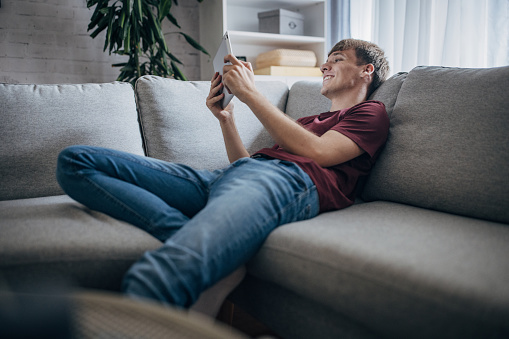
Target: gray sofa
column 424, row 253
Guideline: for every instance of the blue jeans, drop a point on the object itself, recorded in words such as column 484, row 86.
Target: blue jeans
column 211, row 222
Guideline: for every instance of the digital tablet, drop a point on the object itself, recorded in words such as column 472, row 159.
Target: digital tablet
column 224, row 49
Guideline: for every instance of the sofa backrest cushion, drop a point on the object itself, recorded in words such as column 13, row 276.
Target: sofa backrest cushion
column 448, row 145
column 178, row 127
column 38, row 121
column 305, row 99
column 389, row 90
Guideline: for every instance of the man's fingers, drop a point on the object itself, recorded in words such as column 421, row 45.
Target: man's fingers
column 216, row 98
column 231, row 58
column 248, row 65
column 214, row 77
column 215, row 80
column 214, row 91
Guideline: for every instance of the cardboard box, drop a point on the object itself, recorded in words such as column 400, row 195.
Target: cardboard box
column 281, row 21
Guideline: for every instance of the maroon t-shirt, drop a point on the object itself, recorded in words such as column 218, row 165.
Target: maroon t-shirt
column 367, row 124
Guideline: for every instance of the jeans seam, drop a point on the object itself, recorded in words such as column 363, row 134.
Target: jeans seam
column 300, row 197
column 151, row 227
column 196, row 182
column 105, row 192
column 115, row 200
column 220, row 175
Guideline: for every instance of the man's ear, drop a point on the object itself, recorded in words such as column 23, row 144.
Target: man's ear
column 369, row 68
column 367, row 72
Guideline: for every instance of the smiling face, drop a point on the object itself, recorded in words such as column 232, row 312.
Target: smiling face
column 341, row 74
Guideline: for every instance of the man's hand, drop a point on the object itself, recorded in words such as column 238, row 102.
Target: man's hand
column 214, row 100
column 239, row 77
column 233, row 143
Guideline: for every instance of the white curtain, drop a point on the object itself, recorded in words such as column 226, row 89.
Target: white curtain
column 456, row 33
column 338, row 12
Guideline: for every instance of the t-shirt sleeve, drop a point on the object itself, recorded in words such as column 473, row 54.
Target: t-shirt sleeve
column 366, row 124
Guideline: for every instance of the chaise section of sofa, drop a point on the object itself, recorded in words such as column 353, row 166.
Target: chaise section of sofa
column 46, row 237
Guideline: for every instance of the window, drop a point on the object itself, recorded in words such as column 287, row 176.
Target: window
column 456, row 33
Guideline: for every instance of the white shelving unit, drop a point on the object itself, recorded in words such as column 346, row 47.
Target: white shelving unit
column 240, row 19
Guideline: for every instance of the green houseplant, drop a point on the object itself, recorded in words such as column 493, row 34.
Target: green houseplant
column 133, row 28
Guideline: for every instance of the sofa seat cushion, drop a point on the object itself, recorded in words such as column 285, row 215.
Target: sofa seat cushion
column 57, row 239
column 38, row 121
column 396, row 269
column 448, row 145
column 178, row 127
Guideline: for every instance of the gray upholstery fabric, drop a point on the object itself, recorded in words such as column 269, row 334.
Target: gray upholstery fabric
column 56, row 238
column 293, row 315
column 305, row 99
column 178, row 127
column 448, row 147
column 388, row 91
column 384, row 263
column 38, row 121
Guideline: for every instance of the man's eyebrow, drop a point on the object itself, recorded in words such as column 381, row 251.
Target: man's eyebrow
column 337, row 53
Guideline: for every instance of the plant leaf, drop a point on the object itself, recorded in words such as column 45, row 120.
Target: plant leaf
column 177, row 72
column 91, row 3
column 173, row 20
column 127, row 40
column 138, row 10
column 100, row 27
column 111, row 18
column 122, row 20
column 156, row 31
column 95, row 21
column 193, row 43
column 174, row 58
column 164, row 9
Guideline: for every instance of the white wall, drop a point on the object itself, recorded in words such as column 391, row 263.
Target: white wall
column 46, row 41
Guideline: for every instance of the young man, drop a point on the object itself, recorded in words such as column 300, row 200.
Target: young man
column 212, row 222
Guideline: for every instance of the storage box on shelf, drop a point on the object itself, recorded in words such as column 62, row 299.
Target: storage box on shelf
column 240, row 19
column 281, row 21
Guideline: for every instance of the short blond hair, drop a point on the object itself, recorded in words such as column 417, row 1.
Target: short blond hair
column 367, row 53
